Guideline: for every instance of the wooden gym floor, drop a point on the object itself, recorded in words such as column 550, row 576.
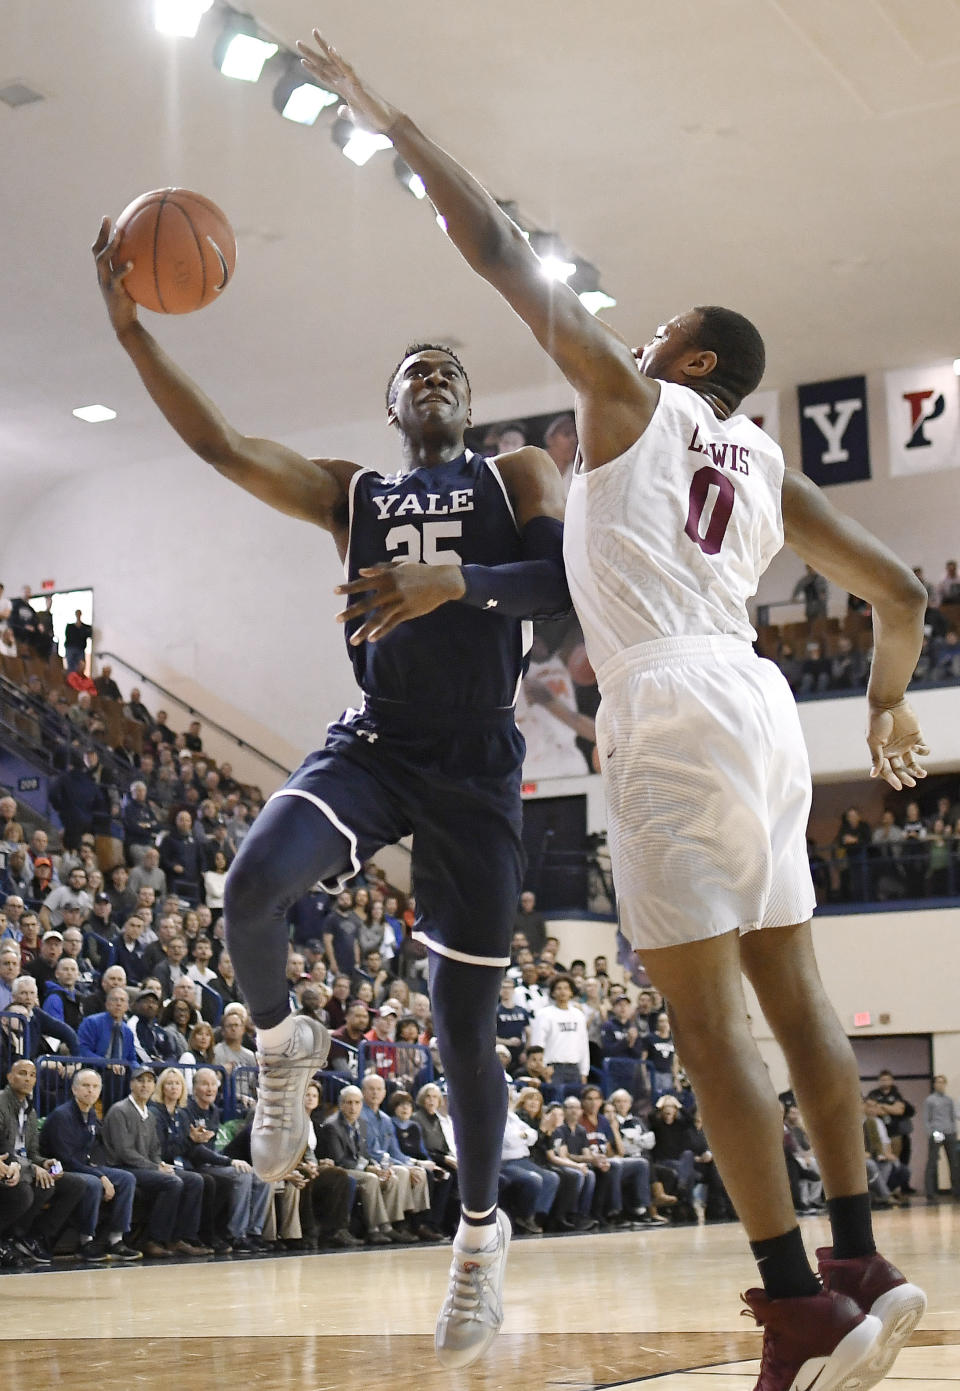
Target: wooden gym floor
column 658, row 1307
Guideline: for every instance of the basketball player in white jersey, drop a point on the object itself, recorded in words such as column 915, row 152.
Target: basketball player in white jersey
column 678, row 508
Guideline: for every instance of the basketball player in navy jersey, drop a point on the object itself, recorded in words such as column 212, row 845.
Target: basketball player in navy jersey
column 447, row 559
column 675, row 511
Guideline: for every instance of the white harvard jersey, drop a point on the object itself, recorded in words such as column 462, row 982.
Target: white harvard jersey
column 670, row 539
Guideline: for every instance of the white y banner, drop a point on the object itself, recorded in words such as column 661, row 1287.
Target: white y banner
column 763, row 408
column 923, row 419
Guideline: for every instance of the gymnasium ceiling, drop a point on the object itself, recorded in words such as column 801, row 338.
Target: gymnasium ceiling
column 794, row 158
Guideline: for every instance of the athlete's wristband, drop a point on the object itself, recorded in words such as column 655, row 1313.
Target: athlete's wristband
column 534, row 586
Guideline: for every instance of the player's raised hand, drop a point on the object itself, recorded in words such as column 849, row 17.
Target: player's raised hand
column 391, row 594
column 896, row 743
column 120, row 307
column 335, row 74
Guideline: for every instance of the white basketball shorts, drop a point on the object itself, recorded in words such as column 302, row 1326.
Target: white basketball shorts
column 708, row 791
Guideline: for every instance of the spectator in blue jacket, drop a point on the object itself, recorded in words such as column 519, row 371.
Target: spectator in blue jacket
column 71, row 1133
column 106, row 1035
column 38, row 1025
column 61, row 999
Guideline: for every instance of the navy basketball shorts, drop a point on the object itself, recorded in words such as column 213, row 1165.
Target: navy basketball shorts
column 450, row 782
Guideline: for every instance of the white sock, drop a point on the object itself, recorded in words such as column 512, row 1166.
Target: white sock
column 471, row 1238
column 272, row 1040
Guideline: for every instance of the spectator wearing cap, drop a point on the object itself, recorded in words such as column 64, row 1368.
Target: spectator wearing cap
column 140, row 824
column 105, row 925
column 72, row 1134
column 132, row 1143
column 61, row 999
column 562, row 1030
column 106, row 1035
column 381, row 1052
column 74, row 891
column 44, row 964
column 152, row 1043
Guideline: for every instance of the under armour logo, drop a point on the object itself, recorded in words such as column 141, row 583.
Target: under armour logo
column 369, row 735
column 490, row 604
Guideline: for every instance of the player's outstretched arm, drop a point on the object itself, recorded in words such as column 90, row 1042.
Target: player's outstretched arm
column 845, row 552
column 588, row 352
column 313, row 490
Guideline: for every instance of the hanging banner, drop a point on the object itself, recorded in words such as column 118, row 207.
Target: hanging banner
column 763, row 408
column 923, row 419
column 834, row 431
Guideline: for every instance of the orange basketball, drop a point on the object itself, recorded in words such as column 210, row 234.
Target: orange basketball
column 182, row 248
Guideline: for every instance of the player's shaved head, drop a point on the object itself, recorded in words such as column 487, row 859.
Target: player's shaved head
column 741, row 355
column 413, row 350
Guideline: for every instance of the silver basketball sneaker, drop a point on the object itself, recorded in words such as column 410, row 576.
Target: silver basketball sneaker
column 280, row 1123
column 472, row 1312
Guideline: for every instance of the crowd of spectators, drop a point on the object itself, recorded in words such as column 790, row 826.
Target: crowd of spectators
column 825, row 655
column 911, row 853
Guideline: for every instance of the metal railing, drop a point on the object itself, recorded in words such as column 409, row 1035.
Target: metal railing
column 197, row 714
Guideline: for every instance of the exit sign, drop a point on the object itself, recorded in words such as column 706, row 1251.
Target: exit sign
column 861, row 1021
column 527, row 789
column 48, row 584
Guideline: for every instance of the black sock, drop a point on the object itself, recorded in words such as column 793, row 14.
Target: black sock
column 852, row 1226
column 478, row 1221
column 784, row 1268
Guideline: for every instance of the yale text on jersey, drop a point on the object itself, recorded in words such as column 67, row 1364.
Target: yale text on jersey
column 721, row 453
column 409, row 505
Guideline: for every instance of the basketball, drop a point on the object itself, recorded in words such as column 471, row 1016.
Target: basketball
column 182, row 247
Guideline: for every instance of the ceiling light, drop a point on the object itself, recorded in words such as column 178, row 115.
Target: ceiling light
column 595, row 300
column 358, row 145
column 299, row 99
column 179, row 17
column 555, row 268
column 411, row 181
column 94, row 414
column 240, row 52
column 553, row 256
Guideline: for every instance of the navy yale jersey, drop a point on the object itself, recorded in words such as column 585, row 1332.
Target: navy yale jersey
column 457, row 657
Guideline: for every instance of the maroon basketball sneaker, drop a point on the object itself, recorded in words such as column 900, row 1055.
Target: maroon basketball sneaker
column 819, row 1343
column 879, row 1289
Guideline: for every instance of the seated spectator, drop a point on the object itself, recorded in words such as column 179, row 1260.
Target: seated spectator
column 532, row 1189
column 948, row 590
column 674, row 1146
column 571, row 1142
column 913, row 851
column 636, row 1138
column 571, row 1209
column 199, row 969
column 128, row 950
column 16, row 879
column 152, row 1042
column 105, row 684
column 201, row 1045
column 850, row 847
column 122, row 896
column 180, row 1017
column 247, row 1197
column 230, row 1053
column 39, row 1027
column 410, row 1141
column 140, row 824
column 513, row 1022
column 344, row 1140
column 414, row 1192
column 74, row 891
column 131, row 1142
column 54, row 1196
column 61, row 999
column 885, row 841
column 373, row 971
column 848, row 668
column 353, row 1032
column 44, row 964
column 173, row 968
column 181, row 858
column 147, row 874
column 814, row 670
column 10, row 969
column 225, row 981
column 806, row 1185
column 107, row 1035
column 72, row 1134
column 940, row 850
column 620, row 1036
column 427, row 1116
column 877, row 1144
column 317, row 1197
column 29, row 938
column 896, row 1112
column 630, row 1175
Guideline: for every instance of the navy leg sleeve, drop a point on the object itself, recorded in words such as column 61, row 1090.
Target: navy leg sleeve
column 464, row 1000
column 290, row 847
